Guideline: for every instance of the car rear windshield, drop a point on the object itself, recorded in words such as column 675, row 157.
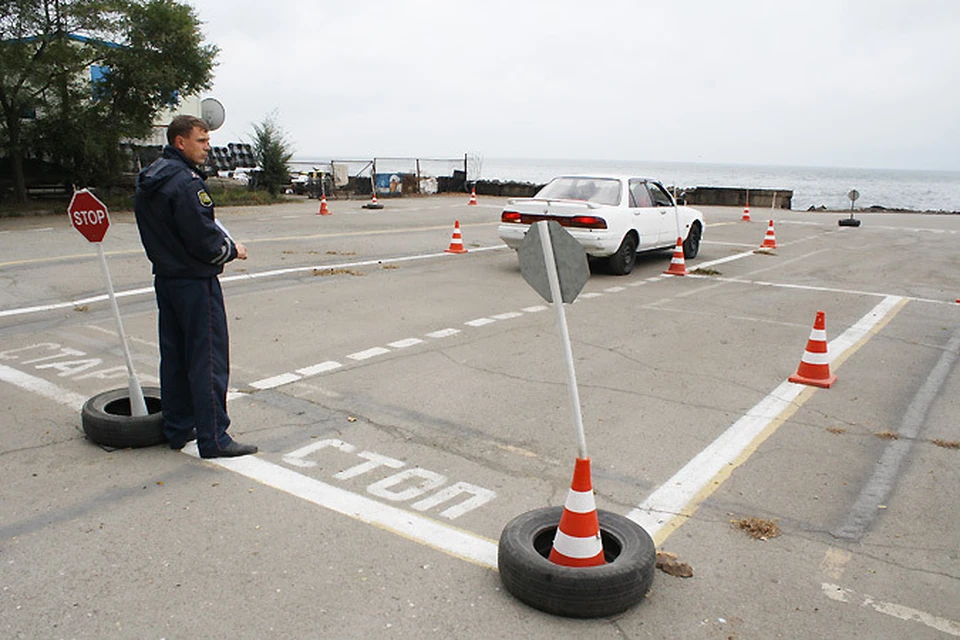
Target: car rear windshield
column 599, row 190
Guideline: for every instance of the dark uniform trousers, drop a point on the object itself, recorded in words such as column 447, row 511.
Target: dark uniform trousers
column 194, row 360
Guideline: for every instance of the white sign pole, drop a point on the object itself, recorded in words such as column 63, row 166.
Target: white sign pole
column 138, row 407
column 551, row 264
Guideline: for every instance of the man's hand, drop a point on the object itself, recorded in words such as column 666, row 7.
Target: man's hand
column 241, row 251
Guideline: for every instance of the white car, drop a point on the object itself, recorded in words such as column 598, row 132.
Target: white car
column 613, row 217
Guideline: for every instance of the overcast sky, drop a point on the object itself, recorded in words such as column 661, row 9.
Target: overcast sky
column 860, row 83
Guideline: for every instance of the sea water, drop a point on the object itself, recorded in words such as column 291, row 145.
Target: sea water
column 811, row 186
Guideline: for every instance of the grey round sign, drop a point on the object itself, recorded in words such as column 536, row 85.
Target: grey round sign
column 853, row 195
column 213, row 113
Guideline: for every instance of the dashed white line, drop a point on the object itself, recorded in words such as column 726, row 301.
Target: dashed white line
column 368, row 353
column 536, row 308
column 479, row 322
column 403, row 344
column 443, row 333
column 590, row 294
column 275, row 381
column 839, row 594
column 321, row 367
column 614, row 289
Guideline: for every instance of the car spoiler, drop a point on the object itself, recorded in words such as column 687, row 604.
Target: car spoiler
column 549, row 201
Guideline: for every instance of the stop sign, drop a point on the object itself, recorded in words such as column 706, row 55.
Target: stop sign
column 88, row 215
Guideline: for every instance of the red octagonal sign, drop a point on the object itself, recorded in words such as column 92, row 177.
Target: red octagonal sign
column 88, row 215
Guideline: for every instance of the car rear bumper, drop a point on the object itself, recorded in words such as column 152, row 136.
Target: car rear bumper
column 599, row 243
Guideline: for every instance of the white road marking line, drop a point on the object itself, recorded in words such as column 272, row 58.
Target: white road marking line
column 590, row 294
column 41, row 387
column 655, row 278
column 839, row 594
column 479, row 322
column 451, row 540
column 443, row 333
column 275, row 381
column 614, row 289
column 244, row 276
column 403, row 344
column 368, row 353
column 321, row 367
column 507, row 316
column 677, row 499
column 536, row 308
column 805, row 287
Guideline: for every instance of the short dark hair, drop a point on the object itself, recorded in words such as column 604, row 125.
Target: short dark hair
column 183, row 125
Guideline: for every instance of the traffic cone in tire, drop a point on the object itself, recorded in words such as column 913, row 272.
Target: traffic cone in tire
column 770, row 239
column 473, row 196
column 815, row 364
column 373, row 204
column 746, row 209
column 324, row 211
column 677, row 266
column 577, row 542
column 456, row 242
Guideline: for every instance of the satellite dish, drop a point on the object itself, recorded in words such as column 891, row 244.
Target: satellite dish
column 212, row 113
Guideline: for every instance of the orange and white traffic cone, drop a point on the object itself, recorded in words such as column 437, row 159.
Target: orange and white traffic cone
column 577, row 542
column 677, row 266
column 456, row 242
column 770, row 239
column 473, row 196
column 373, row 204
column 746, row 209
column 324, row 211
column 815, row 364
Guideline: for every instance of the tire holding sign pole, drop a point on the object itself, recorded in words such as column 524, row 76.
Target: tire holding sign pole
column 90, row 217
column 601, row 576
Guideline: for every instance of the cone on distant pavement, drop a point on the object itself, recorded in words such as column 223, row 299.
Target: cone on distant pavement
column 770, row 239
column 577, row 542
column 373, row 204
column 473, row 196
column 814, row 366
column 677, row 266
column 746, row 209
column 324, row 211
column 456, row 242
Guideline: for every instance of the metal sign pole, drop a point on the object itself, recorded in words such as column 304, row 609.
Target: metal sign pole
column 553, row 278
column 138, row 407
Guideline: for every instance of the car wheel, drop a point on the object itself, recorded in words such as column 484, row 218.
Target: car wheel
column 107, row 419
column 691, row 246
column 621, row 263
column 576, row 592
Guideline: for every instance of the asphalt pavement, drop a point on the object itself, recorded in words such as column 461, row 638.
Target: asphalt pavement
column 409, row 402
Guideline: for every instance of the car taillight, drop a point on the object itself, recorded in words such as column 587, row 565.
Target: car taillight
column 510, row 216
column 587, row 222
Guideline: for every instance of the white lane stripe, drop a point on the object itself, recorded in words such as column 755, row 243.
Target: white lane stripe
column 839, row 594
column 403, row 344
column 677, row 495
column 451, row 540
column 614, row 290
column 443, row 333
column 41, row 387
column 321, row 367
column 243, row 276
column 535, row 309
column 479, row 322
column 275, row 381
column 368, row 353
column 590, row 294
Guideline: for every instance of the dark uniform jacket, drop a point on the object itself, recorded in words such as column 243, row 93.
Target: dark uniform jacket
column 174, row 213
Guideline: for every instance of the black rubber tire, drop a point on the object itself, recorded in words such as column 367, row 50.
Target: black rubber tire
column 107, row 421
column 691, row 246
column 848, row 222
column 576, row 592
column 622, row 262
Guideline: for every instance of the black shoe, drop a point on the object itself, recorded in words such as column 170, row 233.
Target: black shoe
column 180, row 444
column 231, row 450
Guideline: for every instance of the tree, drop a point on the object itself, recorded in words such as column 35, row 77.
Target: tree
column 79, row 76
column 273, row 154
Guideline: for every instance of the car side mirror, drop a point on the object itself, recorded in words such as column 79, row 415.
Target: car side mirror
column 681, row 202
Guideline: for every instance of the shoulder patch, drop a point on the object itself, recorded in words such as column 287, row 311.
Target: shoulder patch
column 204, row 198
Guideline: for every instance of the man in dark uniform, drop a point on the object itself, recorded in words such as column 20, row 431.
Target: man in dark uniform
column 188, row 249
